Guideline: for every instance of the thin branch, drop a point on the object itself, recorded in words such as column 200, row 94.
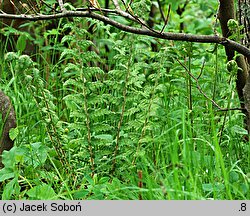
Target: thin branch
column 60, row 2
column 141, row 31
column 111, row 11
column 129, row 10
column 47, row 5
column 161, row 11
column 28, row 7
column 116, row 4
column 131, row 1
column 201, row 91
column 124, row 4
column 166, row 20
column 202, row 67
column 2, row 12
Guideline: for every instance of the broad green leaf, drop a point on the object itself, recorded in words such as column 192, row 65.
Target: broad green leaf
column 11, row 188
column 42, row 192
column 13, row 133
column 6, row 173
column 21, row 43
column 239, row 130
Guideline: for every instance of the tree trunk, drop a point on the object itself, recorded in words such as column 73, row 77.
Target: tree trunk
column 226, row 12
column 8, row 122
column 244, row 20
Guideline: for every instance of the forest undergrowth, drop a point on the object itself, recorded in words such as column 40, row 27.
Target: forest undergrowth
column 102, row 116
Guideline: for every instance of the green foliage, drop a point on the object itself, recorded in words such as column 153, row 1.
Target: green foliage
column 141, row 7
column 99, row 106
column 235, row 30
column 41, row 192
column 13, row 133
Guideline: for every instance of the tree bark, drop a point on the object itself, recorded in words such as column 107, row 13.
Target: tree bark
column 227, row 12
column 244, row 20
column 8, row 122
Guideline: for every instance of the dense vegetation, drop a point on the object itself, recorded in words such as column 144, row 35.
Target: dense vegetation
column 103, row 115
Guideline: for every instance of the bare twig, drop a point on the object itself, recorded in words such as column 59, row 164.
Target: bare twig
column 161, row 11
column 2, row 12
column 116, row 4
column 166, row 20
column 197, row 84
column 131, row 1
column 202, row 67
column 202, row 92
column 47, row 5
column 60, row 2
column 124, row 4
